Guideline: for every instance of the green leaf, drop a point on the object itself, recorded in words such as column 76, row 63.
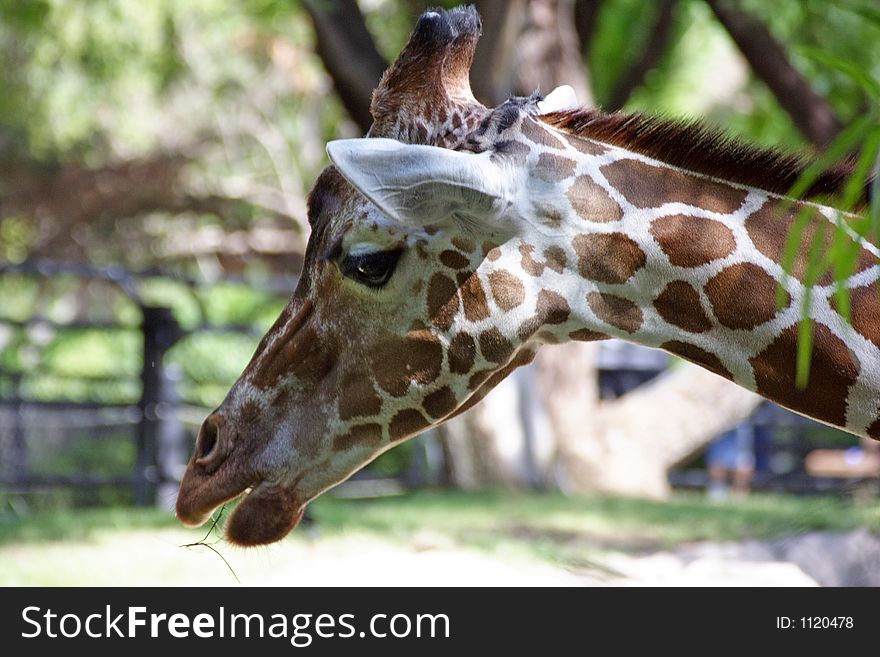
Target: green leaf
column 805, row 347
column 874, row 210
column 846, row 142
column 870, row 13
column 856, row 73
column 842, row 257
column 862, row 171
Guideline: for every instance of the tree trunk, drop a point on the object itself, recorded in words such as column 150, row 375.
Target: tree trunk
column 505, row 441
column 811, row 113
column 628, row 445
column 349, row 54
column 548, row 53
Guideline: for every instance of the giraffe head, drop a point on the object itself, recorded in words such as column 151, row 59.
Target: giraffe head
column 408, row 310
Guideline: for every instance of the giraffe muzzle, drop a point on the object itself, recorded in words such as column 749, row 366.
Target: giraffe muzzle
column 205, row 484
column 212, row 445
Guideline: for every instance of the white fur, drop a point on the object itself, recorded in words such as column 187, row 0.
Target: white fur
column 421, row 185
column 561, row 98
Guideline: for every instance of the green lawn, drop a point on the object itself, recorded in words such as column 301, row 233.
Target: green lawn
column 120, row 546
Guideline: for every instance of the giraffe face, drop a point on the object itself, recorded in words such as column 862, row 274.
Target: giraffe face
column 418, row 294
column 403, row 317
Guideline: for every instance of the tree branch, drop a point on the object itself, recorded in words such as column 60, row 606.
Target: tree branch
column 58, row 200
column 811, row 113
column 633, row 441
column 547, row 53
column 349, row 54
column 586, row 17
column 75, row 193
column 651, row 54
column 492, row 70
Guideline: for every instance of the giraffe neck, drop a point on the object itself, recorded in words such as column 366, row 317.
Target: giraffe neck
column 666, row 258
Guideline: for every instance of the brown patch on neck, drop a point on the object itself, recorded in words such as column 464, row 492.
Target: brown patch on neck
column 647, row 186
column 507, row 290
column 833, row 370
column 540, row 135
column 697, row 355
column 743, row 296
column 406, row 423
column 551, row 308
column 555, row 259
column 586, row 335
column 360, row 435
column 483, row 382
column 591, row 202
column 692, row 241
column 865, row 311
column 554, row 168
column 679, row 304
column 617, row 311
column 494, row 346
column 530, row 266
column 440, row 403
column 770, row 229
column 608, row 258
column 462, row 352
column 585, row 146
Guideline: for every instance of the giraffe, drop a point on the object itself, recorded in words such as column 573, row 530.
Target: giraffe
column 456, row 240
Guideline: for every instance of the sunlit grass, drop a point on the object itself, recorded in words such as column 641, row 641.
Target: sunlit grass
column 686, row 517
column 535, row 535
column 470, row 517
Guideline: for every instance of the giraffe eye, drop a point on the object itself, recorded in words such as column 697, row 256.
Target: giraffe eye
column 371, row 269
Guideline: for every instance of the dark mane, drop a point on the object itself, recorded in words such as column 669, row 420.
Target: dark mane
column 695, row 147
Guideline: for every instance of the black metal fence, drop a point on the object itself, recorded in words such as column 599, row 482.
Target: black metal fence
column 129, row 447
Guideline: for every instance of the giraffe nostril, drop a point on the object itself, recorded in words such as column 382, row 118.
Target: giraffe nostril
column 208, row 444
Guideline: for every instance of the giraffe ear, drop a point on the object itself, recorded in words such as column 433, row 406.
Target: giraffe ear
column 420, row 185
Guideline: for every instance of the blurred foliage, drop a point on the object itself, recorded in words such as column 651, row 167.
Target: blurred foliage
column 102, row 76
column 693, row 77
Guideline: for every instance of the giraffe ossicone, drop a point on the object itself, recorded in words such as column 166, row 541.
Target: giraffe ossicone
column 456, row 240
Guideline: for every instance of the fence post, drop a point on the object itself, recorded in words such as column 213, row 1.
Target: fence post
column 18, row 461
column 160, row 331
column 170, row 438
